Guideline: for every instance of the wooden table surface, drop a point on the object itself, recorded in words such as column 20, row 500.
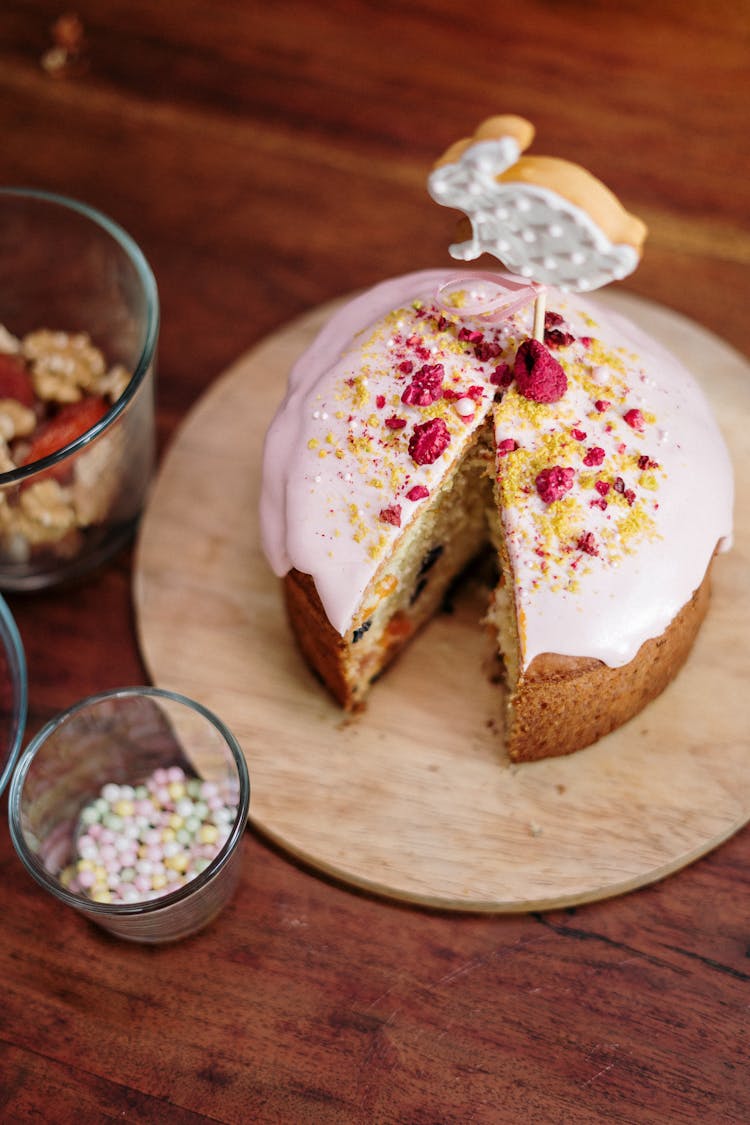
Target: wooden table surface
column 268, row 158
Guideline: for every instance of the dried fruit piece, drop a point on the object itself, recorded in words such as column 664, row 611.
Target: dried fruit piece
column 70, row 422
column 15, row 381
column 426, row 386
column 428, row 441
column 635, row 419
column 539, row 376
column 391, row 515
column 594, row 456
column 552, row 484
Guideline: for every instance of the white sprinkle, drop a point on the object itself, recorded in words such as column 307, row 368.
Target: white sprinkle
column 465, row 407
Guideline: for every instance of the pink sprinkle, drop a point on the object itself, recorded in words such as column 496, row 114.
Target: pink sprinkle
column 635, row 419
column 176, row 773
column 418, row 492
column 86, row 878
column 142, row 883
column 160, row 776
column 594, row 456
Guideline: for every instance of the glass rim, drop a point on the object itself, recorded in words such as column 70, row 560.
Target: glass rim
column 13, row 644
column 146, row 276
column 145, row 906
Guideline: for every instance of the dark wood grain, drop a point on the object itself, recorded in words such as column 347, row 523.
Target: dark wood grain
column 267, row 158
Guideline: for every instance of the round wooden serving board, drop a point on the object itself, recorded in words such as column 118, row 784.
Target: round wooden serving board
column 415, row 798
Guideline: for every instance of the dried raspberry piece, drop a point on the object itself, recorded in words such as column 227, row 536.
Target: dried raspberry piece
column 554, row 338
column 579, row 435
column 619, row 485
column 426, row 385
column 391, row 515
column 488, row 349
column 428, row 441
column 452, row 396
column 586, row 341
column 601, row 405
column 552, row 484
column 502, row 376
column 475, row 392
column 406, row 367
column 645, row 462
column 539, row 376
column 553, row 319
column 395, row 423
column 602, row 487
column 418, row 492
column 635, row 419
column 629, row 496
column 507, row 445
column 587, row 543
column 380, row 402
column 598, row 503
column 594, row 456
column 473, row 336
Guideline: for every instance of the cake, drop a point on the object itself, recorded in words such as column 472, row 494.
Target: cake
column 434, row 419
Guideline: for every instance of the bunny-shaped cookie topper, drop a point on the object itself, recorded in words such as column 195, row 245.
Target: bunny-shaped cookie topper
column 546, row 219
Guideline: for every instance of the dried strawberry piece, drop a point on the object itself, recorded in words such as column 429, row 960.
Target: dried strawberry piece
column 594, row 456
column 406, row 367
column 395, row 423
column 380, row 402
column 429, row 440
column 418, row 492
column 579, row 435
column 426, row 385
column 601, row 405
column 539, row 376
column 553, row 319
column 502, row 376
column 598, row 502
column 552, row 484
column 587, row 543
column 15, row 381
column 391, row 515
column 506, row 446
column 475, row 392
column 70, row 422
column 602, row 487
column 629, row 496
column 645, row 462
column 635, row 419
column 471, row 335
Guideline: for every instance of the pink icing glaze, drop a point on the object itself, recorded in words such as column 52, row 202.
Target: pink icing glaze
column 589, row 580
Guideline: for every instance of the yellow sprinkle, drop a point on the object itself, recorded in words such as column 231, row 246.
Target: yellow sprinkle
column 100, row 893
column 167, row 834
column 313, row 443
column 177, row 862
column 123, row 808
column 208, row 834
column 158, row 881
column 176, row 790
column 175, row 821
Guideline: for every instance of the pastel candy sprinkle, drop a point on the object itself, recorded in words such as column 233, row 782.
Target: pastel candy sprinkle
column 135, row 843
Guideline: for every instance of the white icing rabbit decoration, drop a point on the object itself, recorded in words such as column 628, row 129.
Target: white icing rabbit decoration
column 546, row 219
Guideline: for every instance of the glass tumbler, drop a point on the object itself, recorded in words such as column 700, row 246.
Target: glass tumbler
column 120, row 741
column 79, row 315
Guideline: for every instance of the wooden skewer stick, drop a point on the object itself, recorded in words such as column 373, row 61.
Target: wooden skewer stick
column 539, row 306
